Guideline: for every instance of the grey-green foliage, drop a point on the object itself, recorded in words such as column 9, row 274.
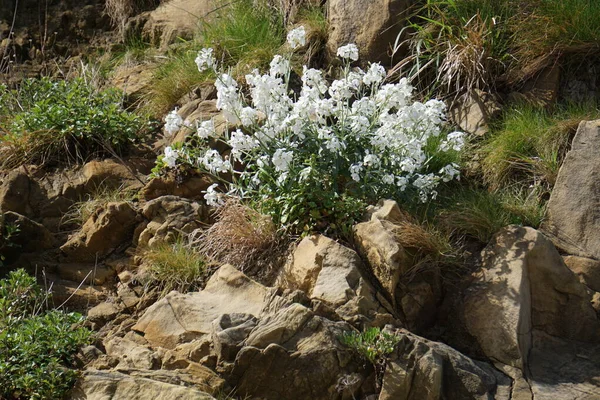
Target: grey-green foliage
column 37, row 347
column 373, row 344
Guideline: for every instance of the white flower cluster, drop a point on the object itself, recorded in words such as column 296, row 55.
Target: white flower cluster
column 356, row 134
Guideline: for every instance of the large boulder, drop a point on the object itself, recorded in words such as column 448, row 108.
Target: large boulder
column 294, row 354
column 419, row 369
column 475, row 112
column 107, row 229
column 573, row 217
column 167, row 217
column 101, row 385
column 176, row 19
column 524, row 286
column 180, row 318
column 372, row 25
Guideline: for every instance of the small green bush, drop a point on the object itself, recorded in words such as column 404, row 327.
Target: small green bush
column 37, row 348
column 49, row 121
column 372, row 344
column 7, row 234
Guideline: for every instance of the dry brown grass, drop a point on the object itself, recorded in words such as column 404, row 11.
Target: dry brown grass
column 120, row 11
column 241, row 237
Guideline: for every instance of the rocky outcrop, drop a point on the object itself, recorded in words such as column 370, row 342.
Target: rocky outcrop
column 107, row 229
column 475, row 112
column 180, row 318
column 525, row 286
column 175, row 19
column 572, row 220
column 372, row 25
column 167, row 217
column 420, row 369
column 100, row 385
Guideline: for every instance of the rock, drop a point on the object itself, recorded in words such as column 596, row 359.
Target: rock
column 107, row 229
column 229, row 331
column 103, row 313
column 572, row 218
column 111, row 173
column 296, row 348
column 168, row 217
column 323, row 269
column 525, row 286
column 131, row 354
column 133, row 80
column 420, row 369
column 31, row 236
column 99, row 385
column 385, row 256
column 474, row 113
column 180, row 318
column 372, row 25
column 586, row 269
column 175, row 19
column 192, row 187
column 14, row 193
column 88, row 273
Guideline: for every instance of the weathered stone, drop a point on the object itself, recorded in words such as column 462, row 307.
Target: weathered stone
column 14, row 193
column 99, row 385
column 586, row 269
column 306, row 356
column 175, row 19
column 168, row 217
column 420, row 369
column 133, row 80
column 180, row 318
column 108, row 228
column 229, row 331
column 88, row 273
column 30, row 237
column 372, row 25
column 197, row 111
column 572, row 220
column 192, row 187
column 103, row 313
column 131, row 354
column 525, row 286
column 474, row 113
column 111, row 173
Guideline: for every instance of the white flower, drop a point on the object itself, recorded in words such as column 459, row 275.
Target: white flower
column 170, row 157
column 454, row 141
column 450, row 172
column 279, row 66
column 375, row 74
column 214, row 163
column 205, row 129
column 228, row 98
column 281, row 159
column 205, row 60
column 248, row 116
column 173, row 122
column 355, row 170
column 305, row 173
column 313, row 79
column 296, row 37
column 371, row 160
column 212, row 197
column 388, row 179
column 349, row 51
column 240, row 143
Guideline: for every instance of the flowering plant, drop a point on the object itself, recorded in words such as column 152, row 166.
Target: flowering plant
column 313, row 158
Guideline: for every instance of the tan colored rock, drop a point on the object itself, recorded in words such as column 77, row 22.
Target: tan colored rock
column 111, row 173
column 586, row 269
column 108, row 228
column 103, row 313
column 192, row 187
column 229, row 331
column 180, row 318
column 305, row 356
column 131, row 354
column 176, row 19
column 475, row 113
column 100, row 385
column 420, row 369
column 525, row 286
column 372, row 25
column 573, row 217
column 199, row 110
column 15, row 192
column 133, row 80
column 88, row 273
column 168, row 217
column 385, row 256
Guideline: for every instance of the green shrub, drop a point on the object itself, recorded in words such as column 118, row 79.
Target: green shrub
column 48, row 121
column 7, row 234
column 37, row 348
column 372, row 344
